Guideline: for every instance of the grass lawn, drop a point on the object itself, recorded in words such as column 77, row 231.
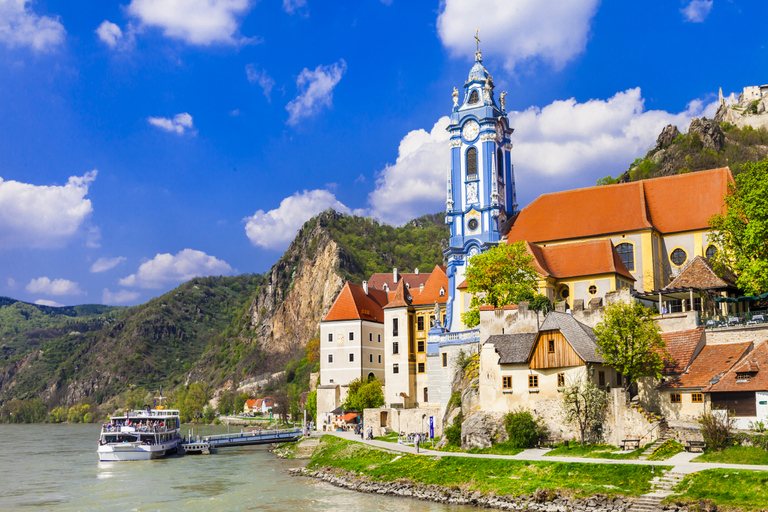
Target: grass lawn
column 596, row 451
column 668, row 449
column 741, row 489
column 735, row 455
column 496, row 449
column 486, row 475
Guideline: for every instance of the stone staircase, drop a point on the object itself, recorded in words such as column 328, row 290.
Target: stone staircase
column 662, row 487
column 664, row 434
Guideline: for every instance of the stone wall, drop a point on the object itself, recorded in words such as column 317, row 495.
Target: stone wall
column 623, row 422
column 384, row 420
column 677, row 321
column 756, row 333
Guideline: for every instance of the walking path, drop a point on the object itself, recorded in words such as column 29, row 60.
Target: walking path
column 682, row 462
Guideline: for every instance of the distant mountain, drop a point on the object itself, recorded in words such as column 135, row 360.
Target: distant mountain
column 709, row 144
column 217, row 330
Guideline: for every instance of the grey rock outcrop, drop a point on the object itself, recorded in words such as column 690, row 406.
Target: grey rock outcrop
column 667, row 136
column 712, row 137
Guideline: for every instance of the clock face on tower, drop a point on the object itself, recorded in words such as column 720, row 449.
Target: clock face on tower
column 470, row 130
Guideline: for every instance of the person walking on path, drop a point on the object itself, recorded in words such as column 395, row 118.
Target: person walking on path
column 416, row 442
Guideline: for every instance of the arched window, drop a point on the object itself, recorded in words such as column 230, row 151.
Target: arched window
column 472, row 163
column 711, row 252
column 500, row 163
column 371, row 376
column 627, row 254
column 678, row 256
column 473, row 98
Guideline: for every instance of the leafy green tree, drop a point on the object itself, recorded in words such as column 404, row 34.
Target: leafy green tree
column 240, row 403
column 584, row 405
column 135, row 398
column 630, row 342
column 500, row 276
column 209, row 414
column 741, row 232
column 312, row 404
column 197, row 398
column 364, row 394
column 58, row 415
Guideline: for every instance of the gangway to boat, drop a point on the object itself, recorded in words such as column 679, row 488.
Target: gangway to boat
column 249, row 438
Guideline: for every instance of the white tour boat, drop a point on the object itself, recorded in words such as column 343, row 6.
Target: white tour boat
column 140, row 435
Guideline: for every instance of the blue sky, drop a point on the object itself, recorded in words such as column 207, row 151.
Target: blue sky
column 149, row 141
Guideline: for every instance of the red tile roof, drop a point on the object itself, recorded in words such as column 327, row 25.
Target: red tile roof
column 413, row 280
column 681, row 346
column 578, row 259
column 669, row 204
column 463, row 285
column 431, row 292
column 353, row 304
column 712, row 361
column 698, row 273
column 402, row 297
column 250, row 403
column 756, row 364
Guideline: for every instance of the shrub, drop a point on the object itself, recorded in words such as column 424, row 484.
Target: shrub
column 522, row 429
column 757, row 426
column 453, row 433
column 455, row 400
column 716, row 428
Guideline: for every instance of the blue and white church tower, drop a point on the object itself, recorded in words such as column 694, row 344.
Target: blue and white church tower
column 481, row 179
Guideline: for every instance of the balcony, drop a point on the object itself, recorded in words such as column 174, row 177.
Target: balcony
column 455, row 338
column 735, row 320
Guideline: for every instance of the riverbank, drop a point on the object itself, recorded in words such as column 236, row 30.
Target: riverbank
column 528, row 480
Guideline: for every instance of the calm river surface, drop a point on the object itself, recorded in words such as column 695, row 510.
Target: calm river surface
column 54, row 467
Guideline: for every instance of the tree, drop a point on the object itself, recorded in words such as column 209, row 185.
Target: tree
column 364, row 394
column 135, row 398
column 312, row 404
column 741, row 233
column 584, row 405
column 240, row 403
column 198, row 395
column 500, row 276
column 630, row 342
column 313, row 350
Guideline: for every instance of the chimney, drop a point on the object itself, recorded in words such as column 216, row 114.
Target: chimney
column 394, row 275
column 365, row 287
column 416, row 271
column 421, row 287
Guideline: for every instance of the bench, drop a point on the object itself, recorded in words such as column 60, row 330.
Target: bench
column 627, row 443
column 545, row 442
column 690, row 445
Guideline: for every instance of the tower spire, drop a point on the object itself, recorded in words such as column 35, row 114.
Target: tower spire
column 478, row 53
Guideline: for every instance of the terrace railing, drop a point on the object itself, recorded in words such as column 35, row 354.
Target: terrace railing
column 734, row 319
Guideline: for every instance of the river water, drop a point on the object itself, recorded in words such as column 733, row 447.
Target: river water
column 55, row 467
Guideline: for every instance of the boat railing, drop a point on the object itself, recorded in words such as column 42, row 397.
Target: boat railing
column 114, row 429
column 254, row 432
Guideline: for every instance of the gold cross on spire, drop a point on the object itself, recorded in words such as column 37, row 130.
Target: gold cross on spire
column 477, row 37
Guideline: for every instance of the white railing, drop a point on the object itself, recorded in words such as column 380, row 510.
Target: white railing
column 468, row 335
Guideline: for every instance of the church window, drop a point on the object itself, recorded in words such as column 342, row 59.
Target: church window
column 351, row 336
column 330, row 358
column 592, row 289
column 678, row 256
column 330, row 337
column 394, row 327
column 420, row 323
column 395, row 347
column 370, row 336
column 351, row 357
column 370, row 358
column 379, row 358
column 472, row 163
column 379, row 335
column 395, row 368
column 473, row 98
column 420, row 345
column 627, row 254
column 500, row 164
column 711, row 252
column 445, row 359
column 472, row 224
column 564, row 293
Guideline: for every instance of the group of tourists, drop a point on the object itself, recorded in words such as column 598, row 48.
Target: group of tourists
column 139, row 426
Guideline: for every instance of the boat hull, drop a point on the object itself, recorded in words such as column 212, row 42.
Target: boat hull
column 133, row 451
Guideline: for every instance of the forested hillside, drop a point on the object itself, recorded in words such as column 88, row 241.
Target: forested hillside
column 215, row 331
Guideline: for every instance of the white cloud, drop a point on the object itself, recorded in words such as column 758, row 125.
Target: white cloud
column 276, row 228
column 43, row 216
column 197, row 22
column 11, row 282
column 292, row 6
column 170, row 269
column 416, row 183
column 697, row 11
column 315, row 90
column 109, row 33
column 19, row 26
column 121, row 297
column 179, row 124
column 262, row 78
column 53, row 287
column 104, row 264
column 565, row 139
column 52, row 303
column 550, row 30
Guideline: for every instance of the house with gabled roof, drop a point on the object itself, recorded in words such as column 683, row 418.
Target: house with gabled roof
column 743, row 389
column 531, row 369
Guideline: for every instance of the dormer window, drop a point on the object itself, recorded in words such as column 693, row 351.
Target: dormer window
column 421, row 287
column 386, row 288
column 473, row 98
column 442, row 291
